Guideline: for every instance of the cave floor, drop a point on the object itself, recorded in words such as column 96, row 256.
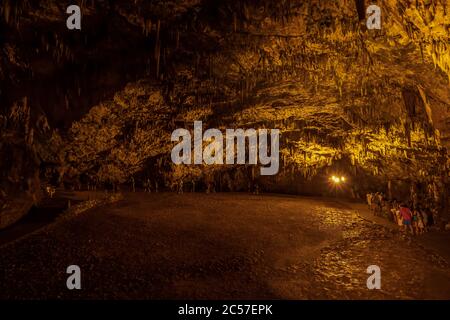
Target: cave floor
column 222, row 246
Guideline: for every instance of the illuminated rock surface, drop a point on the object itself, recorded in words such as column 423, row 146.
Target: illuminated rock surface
column 98, row 106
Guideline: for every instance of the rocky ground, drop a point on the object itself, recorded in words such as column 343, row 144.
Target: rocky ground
column 220, row 246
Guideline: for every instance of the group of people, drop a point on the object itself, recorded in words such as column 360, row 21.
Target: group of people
column 410, row 218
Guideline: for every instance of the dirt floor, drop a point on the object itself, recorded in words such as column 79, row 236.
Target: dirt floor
column 224, row 246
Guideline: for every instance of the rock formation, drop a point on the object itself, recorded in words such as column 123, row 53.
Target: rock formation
column 98, row 105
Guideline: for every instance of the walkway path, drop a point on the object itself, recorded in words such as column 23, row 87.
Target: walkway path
column 224, row 245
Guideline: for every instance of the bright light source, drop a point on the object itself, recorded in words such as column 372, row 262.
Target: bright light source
column 335, row 179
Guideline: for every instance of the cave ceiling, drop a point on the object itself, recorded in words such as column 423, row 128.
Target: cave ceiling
column 102, row 102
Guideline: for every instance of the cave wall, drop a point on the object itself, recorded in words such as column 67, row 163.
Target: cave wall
column 103, row 101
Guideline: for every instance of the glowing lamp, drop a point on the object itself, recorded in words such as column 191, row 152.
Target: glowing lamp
column 336, row 179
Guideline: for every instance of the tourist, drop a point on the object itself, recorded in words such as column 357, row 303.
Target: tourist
column 424, row 219
column 369, row 200
column 376, row 204
column 399, row 220
column 385, row 208
column 380, row 202
column 415, row 221
column 395, row 211
column 420, row 224
column 406, row 216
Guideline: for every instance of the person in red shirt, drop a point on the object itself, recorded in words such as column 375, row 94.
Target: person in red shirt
column 407, row 217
